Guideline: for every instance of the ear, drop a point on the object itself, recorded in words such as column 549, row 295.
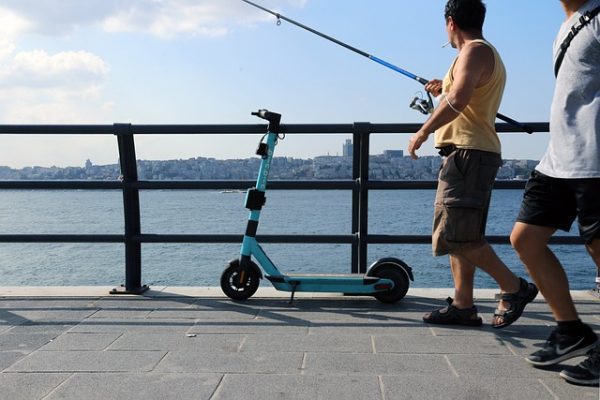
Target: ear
column 451, row 24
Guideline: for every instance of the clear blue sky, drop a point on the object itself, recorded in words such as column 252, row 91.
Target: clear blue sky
column 215, row 61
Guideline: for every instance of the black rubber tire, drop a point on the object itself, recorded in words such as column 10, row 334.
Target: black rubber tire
column 396, row 275
column 231, row 285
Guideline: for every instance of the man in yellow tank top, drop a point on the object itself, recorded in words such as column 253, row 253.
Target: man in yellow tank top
column 464, row 126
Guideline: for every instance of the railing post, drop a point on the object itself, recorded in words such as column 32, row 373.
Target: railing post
column 356, row 143
column 362, row 130
column 131, row 212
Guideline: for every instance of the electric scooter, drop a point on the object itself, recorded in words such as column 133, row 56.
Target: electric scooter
column 386, row 279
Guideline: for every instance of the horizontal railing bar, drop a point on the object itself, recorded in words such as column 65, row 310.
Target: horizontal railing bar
column 61, row 238
column 220, row 238
column 174, row 238
column 199, row 185
column 216, row 185
column 235, row 129
column 57, row 129
column 426, row 239
column 389, row 185
column 88, row 185
column 191, row 238
column 279, row 185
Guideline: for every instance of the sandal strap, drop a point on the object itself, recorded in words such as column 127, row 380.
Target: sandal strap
column 518, row 295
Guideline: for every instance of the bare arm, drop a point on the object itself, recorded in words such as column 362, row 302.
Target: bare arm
column 473, row 68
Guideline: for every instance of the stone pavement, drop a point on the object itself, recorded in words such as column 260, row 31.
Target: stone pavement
column 193, row 343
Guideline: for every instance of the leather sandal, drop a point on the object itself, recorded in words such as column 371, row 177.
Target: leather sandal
column 452, row 315
column 517, row 301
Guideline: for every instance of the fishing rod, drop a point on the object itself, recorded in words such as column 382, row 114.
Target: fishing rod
column 420, row 104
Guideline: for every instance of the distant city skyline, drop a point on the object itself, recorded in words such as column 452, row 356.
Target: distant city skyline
column 391, row 165
column 345, row 151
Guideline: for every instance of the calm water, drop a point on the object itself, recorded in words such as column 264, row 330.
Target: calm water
column 205, row 212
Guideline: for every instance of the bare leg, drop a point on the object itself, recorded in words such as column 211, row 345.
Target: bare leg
column 531, row 244
column 594, row 251
column 463, row 271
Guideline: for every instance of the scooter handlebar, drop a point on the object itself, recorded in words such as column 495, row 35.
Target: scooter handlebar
column 261, row 113
column 272, row 117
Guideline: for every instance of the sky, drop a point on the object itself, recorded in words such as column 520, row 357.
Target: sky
column 215, row 61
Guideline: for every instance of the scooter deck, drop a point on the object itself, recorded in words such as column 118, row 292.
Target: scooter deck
column 327, row 275
column 346, row 283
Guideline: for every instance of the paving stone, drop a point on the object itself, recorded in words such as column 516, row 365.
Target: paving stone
column 248, row 327
column 560, row 389
column 9, row 319
column 51, row 328
column 178, row 341
column 24, row 342
column 137, row 386
column 63, row 316
column 369, row 329
column 88, row 361
column 121, row 314
column 439, row 345
column 297, row 387
column 41, row 303
column 81, row 341
column 134, row 325
column 28, row 386
column 312, row 343
column 307, row 316
column 194, row 313
column 8, row 358
column 416, row 387
column 482, row 364
column 375, row 364
column 261, row 362
column 144, row 303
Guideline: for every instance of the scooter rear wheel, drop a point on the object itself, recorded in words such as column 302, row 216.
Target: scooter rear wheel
column 397, row 276
column 239, row 283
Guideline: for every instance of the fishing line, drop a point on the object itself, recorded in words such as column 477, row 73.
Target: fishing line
column 419, row 103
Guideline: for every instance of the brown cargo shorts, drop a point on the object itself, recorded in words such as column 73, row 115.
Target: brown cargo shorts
column 462, row 200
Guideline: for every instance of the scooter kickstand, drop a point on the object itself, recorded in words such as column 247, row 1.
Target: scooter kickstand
column 294, row 286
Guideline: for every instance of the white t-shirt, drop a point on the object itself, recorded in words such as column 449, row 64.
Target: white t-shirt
column 574, row 148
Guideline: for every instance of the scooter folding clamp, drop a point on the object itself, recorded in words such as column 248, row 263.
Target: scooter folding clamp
column 255, row 199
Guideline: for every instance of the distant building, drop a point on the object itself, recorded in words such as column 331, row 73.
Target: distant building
column 88, row 164
column 393, row 153
column 348, row 148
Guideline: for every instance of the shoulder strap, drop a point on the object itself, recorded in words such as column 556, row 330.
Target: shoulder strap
column 583, row 21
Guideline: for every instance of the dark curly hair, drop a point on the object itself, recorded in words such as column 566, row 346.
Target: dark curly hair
column 467, row 14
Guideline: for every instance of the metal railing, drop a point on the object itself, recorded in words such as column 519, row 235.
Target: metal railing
column 130, row 185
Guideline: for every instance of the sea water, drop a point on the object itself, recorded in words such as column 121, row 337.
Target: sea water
column 302, row 212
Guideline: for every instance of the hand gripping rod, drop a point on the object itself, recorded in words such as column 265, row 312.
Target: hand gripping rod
column 404, row 72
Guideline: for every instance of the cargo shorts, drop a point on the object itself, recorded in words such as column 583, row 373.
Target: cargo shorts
column 462, row 200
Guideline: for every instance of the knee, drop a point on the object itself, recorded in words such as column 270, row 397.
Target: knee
column 527, row 242
column 594, row 250
column 519, row 241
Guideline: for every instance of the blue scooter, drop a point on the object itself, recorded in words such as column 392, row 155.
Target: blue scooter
column 386, row 279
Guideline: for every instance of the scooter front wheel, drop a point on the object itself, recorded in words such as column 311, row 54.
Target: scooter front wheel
column 239, row 283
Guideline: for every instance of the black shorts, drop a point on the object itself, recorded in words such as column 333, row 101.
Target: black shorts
column 556, row 202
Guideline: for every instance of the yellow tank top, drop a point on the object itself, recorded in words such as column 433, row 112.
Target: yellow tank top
column 474, row 128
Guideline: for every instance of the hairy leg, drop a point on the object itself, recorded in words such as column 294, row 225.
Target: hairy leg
column 463, row 273
column 485, row 258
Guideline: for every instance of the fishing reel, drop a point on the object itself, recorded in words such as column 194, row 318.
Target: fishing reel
column 421, row 104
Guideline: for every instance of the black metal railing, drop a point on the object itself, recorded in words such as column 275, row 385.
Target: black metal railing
column 130, row 185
